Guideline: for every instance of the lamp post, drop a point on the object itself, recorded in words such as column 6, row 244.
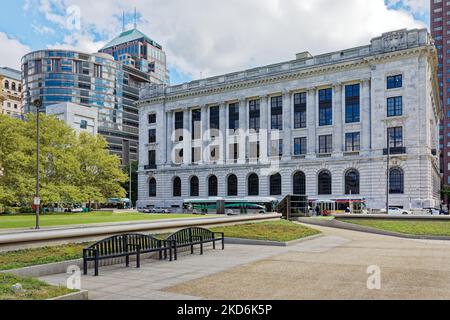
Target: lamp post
column 387, row 172
column 37, row 200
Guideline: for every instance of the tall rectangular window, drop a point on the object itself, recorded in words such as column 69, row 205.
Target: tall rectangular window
column 152, row 157
column 300, row 110
column 352, row 103
column 55, row 65
column 325, row 144
column 152, row 136
column 394, row 106
column 196, row 124
column 78, row 67
column 277, row 113
column 98, row 71
column 234, row 152
column 254, row 116
column 233, row 116
column 352, row 142
column 326, row 107
column 395, row 137
column 179, row 120
column 214, row 121
column 300, row 145
column 394, row 82
column 37, row 66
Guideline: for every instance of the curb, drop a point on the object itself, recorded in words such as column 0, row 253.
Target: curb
column 251, row 242
column 87, row 232
column 45, row 269
column 82, row 295
column 353, row 227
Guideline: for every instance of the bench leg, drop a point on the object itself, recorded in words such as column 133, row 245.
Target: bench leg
column 223, row 243
column 170, row 253
column 138, row 260
column 85, row 269
column 201, row 248
column 214, row 244
column 96, row 267
column 175, row 252
column 127, row 261
column 165, row 254
column 192, row 249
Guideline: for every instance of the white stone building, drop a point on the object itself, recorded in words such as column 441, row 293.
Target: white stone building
column 322, row 124
column 11, row 92
column 79, row 118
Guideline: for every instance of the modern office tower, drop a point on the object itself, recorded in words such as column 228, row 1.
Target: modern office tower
column 91, row 80
column 315, row 126
column 440, row 31
column 135, row 49
column 11, row 92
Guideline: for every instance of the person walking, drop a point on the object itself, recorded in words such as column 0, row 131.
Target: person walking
column 317, row 211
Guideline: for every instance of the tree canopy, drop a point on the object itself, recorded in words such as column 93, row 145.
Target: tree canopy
column 73, row 169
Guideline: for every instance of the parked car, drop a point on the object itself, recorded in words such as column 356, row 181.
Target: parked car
column 76, row 210
column 397, row 211
column 443, row 212
column 433, row 211
column 161, row 210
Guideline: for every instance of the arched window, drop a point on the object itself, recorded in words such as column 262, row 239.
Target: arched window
column 177, row 187
column 324, row 183
column 275, row 185
column 13, row 86
column 299, row 183
column 253, row 185
column 20, row 88
column 7, row 84
column 352, row 182
column 152, row 188
column 212, row 186
column 232, row 186
column 396, row 181
column 194, row 187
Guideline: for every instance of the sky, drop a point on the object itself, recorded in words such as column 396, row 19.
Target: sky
column 205, row 38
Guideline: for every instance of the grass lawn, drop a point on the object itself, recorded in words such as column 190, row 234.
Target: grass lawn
column 53, row 220
column 429, row 228
column 33, row 289
column 281, row 231
column 33, row 257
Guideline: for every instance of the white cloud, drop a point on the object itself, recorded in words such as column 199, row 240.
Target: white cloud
column 213, row 36
column 11, row 50
column 42, row 29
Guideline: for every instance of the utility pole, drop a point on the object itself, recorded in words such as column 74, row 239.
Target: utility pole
column 37, row 200
column 387, row 172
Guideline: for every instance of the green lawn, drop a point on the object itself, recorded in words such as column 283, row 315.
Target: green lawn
column 429, row 228
column 33, row 257
column 52, row 220
column 33, row 289
column 281, row 231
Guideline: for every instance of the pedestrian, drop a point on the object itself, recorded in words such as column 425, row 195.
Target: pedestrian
column 317, row 211
column 347, row 210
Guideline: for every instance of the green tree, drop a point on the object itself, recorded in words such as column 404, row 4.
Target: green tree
column 445, row 191
column 72, row 169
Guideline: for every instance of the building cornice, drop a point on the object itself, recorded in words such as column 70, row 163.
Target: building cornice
column 329, row 67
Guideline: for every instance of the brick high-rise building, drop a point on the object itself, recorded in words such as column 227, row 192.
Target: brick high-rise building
column 440, row 30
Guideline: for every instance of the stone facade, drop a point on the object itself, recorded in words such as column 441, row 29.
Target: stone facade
column 409, row 54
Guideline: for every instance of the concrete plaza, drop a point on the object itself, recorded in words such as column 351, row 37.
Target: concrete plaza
column 330, row 267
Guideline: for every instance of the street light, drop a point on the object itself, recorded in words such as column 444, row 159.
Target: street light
column 37, row 201
column 388, row 173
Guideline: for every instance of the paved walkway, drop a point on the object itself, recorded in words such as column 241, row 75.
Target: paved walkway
column 330, row 267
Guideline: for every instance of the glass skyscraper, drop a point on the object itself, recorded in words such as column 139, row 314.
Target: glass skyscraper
column 109, row 81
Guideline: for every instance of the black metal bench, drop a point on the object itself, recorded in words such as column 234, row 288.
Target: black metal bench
column 124, row 246
column 195, row 236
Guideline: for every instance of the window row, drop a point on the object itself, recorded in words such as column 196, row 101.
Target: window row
column 12, row 86
column 324, row 182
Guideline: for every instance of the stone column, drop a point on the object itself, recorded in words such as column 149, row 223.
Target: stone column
column 187, row 137
column 338, row 106
column 223, row 132
column 243, row 128
column 366, row 125
column 205, row 135
column 169, row 137
column 264, row 130
column 312, row 107
column 287, row 125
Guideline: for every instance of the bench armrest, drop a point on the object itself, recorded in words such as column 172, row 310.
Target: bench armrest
column 221, row 233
